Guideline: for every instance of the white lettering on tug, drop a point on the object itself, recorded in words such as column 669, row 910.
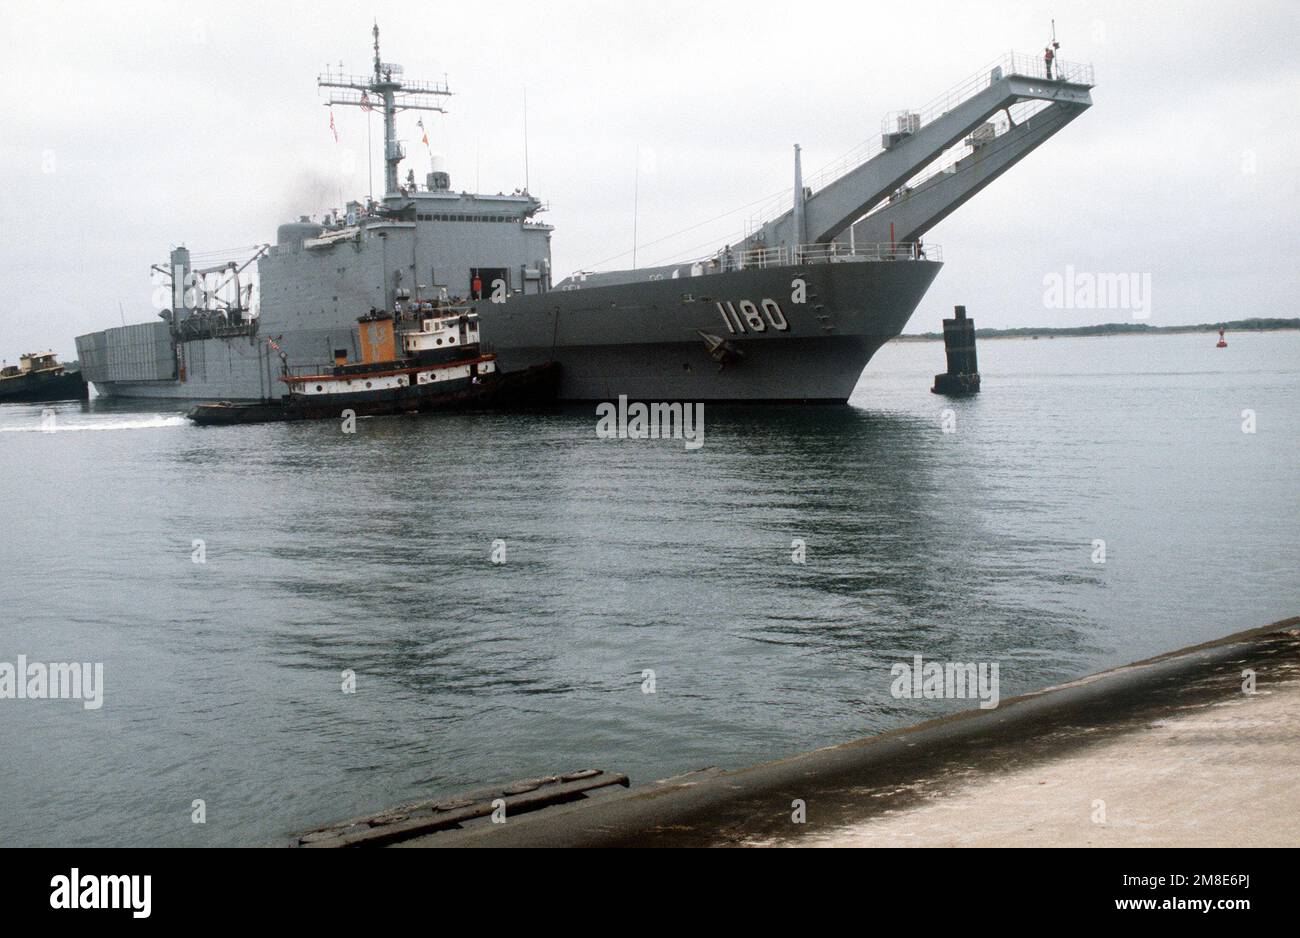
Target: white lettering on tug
column 748, row 318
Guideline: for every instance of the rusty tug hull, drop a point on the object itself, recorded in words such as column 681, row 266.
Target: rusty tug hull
column 422, row 359
column 39, row 378
column 528, row 389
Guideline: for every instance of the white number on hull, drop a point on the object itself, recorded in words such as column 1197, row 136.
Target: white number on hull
column 748, row 315
column 772, row 310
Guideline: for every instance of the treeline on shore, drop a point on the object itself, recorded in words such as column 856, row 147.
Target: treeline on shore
column 1256, row 324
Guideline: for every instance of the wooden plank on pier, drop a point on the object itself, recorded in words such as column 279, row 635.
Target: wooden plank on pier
column 430, row 817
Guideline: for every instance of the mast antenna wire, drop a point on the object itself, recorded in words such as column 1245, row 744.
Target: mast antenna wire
column 682, row 231
column 526, row 177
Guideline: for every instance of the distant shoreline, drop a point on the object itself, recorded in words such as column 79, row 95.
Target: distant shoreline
column 1115, row 328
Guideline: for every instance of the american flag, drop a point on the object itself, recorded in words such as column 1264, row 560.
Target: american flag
column 333, row 129
column 365, row 102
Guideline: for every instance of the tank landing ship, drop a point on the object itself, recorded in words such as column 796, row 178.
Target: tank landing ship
column 793, row 311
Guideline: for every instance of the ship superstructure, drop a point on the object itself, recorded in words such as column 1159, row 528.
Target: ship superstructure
column 793, row 311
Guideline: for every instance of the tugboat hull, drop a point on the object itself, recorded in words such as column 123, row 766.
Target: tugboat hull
column 525, row 389
column 40, row 387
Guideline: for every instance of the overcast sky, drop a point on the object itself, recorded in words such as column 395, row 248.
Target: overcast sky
column 132, row 127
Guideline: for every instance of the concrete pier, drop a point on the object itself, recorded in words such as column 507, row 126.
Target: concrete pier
column 1168, row 751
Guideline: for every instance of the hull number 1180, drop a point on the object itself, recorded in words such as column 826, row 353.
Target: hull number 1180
column 745, row 316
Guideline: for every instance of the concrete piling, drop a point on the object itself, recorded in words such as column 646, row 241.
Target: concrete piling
column 963, row 376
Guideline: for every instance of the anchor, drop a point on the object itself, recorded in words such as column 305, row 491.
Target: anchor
column 720, row 350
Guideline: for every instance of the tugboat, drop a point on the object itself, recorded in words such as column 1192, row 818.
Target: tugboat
column 39, row 377
column 439, row 364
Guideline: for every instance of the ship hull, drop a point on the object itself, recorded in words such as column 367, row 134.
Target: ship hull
column 44, row 388
column 798, row 333
column 530, row 389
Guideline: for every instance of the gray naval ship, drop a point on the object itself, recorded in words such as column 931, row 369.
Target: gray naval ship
column 793, row 311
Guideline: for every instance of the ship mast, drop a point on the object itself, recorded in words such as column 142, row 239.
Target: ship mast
column 384, row 88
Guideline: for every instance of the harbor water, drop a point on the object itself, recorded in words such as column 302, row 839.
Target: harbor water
column 1103, row 500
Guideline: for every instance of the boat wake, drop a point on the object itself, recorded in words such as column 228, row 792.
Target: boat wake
column 58, row 425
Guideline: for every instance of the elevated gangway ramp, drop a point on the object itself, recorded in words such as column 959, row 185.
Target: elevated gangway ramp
column 913, row 140
column 911, row 212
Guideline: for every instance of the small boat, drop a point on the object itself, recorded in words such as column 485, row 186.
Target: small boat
column 437, row 365
column 39, row 377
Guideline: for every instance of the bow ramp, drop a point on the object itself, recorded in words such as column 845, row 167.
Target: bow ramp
column 910, row 181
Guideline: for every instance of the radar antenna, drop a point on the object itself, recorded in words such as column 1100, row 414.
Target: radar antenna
column 392, row 94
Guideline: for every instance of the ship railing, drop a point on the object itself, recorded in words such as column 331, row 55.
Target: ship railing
column 832, row 253
column 416, row 317
column 311, row 371
column 298, row 372
column 1035, row 66
column 1005, row 66
column 303, row 371
column 440, row 307
column 912, row 120
column 215, row 327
